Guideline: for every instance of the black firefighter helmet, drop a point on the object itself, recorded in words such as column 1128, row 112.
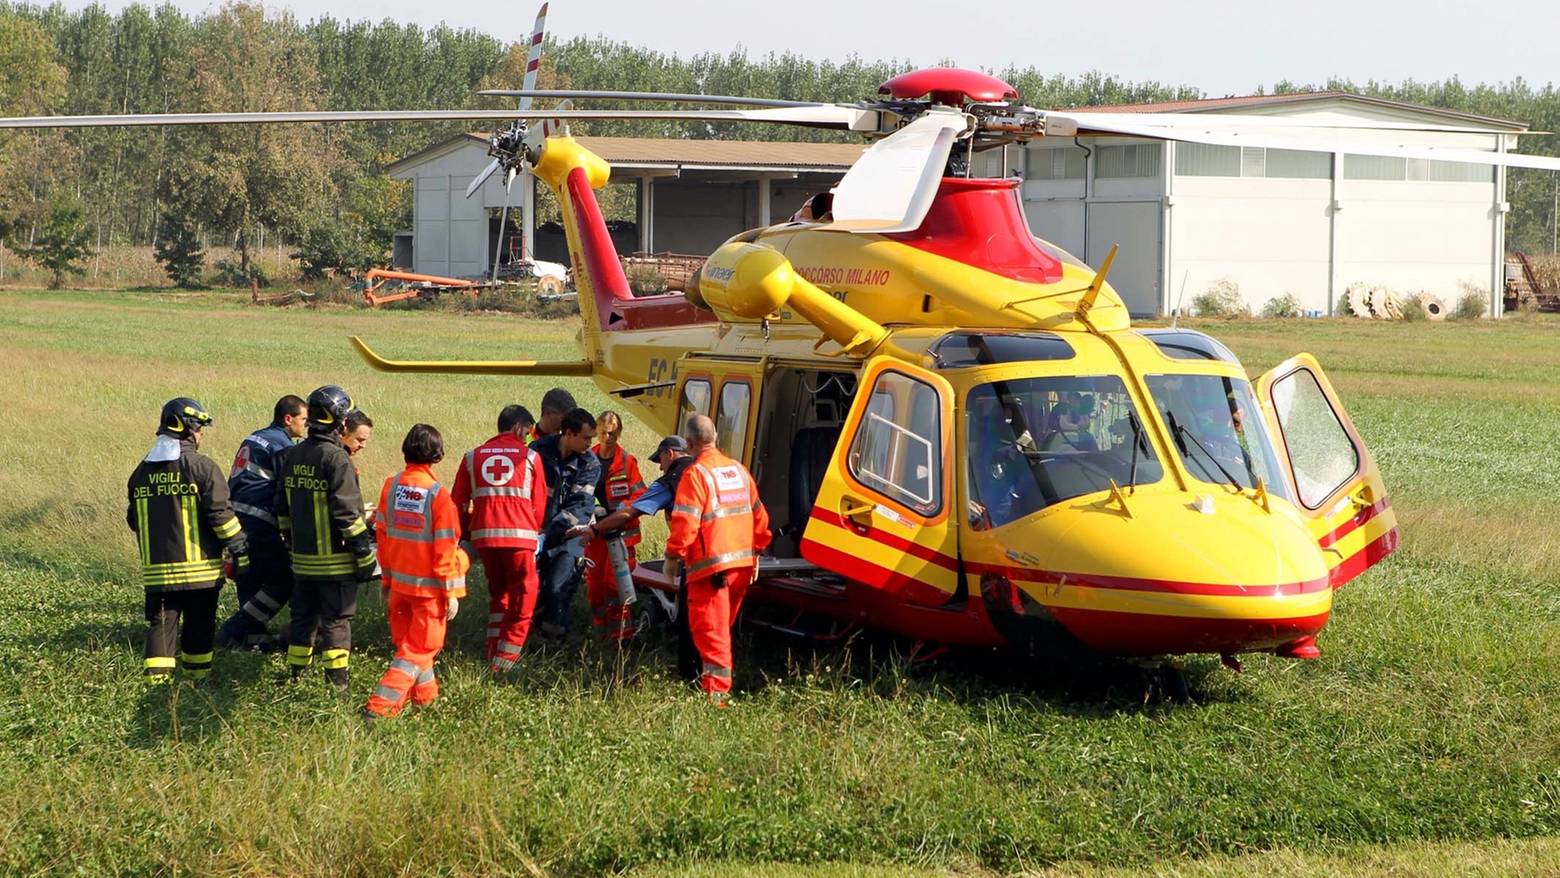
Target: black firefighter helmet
column 328, row 409
column 182, row 416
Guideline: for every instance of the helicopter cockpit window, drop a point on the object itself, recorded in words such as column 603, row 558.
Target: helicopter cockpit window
column 1035, row 442
column 1217, row 428
column 959, row 349
column 695, row 400
column 1188, row 344
column 897, row 449
column 1061, row 255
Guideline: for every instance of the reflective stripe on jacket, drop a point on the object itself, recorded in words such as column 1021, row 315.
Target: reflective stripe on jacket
column 319, row 505
column 621, row 483
column 179, row 509
column 418, row 535
column 252, row 481
column 500, row 494
column 718, row 522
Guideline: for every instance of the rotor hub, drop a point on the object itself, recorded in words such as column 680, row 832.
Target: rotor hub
column 951, row 86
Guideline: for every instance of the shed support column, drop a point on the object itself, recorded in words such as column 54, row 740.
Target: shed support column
column 1334, row 278
column 527, row 183
column 1498, row 247
column 647, row 213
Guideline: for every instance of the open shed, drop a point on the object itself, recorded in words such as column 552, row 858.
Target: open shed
column 691, row 195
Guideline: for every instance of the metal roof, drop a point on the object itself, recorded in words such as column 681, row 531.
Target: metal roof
column 670, row 153
column 1248, row 102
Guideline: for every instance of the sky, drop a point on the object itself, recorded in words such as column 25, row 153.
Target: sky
column 1220, row 48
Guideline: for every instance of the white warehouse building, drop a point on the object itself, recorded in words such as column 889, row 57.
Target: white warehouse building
column 1274, row 221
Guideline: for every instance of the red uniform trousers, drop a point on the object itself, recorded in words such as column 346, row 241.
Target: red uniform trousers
column 711, row 612
column 612, row 619
column 512, row 590
column 417, row 628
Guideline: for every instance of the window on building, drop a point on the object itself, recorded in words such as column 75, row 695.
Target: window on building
column 1128, row 160
column 1066, row 163
column 1207, row 160
column 1369, row 167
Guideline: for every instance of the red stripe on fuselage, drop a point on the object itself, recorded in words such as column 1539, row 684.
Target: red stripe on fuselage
column 1362, row 560
column 602, row 269
column 1354, row 523
column 1082, row 580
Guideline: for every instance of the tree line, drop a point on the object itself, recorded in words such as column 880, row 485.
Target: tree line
column 322, row 188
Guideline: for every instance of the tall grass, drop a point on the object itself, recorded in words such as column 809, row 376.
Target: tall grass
column 1426, row 739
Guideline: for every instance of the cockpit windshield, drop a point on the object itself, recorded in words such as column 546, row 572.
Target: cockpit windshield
column 1035, row 442
column 1217, row 428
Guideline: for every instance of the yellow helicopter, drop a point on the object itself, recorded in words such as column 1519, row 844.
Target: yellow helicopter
column 958, row 433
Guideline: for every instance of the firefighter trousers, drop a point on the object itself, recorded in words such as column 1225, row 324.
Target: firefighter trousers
column 264, row 588
column 512, row 589
column 609, row 615
column 322, row 612
column 197, row 607
column 711, row 612
column 418, row 625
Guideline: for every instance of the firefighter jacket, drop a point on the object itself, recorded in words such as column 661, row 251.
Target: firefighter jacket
column 252, row 481
column 718, row 523
column 501, row 494
column 319, row 505
column 571, row 487
column 179, row 508
column 418, row 535
column 620, row 483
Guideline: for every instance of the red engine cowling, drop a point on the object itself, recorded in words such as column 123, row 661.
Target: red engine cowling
column 951, row 86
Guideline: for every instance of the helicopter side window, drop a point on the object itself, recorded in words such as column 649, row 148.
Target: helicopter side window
column 898, row 443
column 1217, row 428
column 1321, row 454
column 732, row 421
column 1036, row 442
column 695, row 400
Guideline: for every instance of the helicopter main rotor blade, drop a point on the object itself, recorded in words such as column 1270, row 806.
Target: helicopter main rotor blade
column 481, row 178
column 891, row 187
column 1249, row 122
column 533, row 59
column 821, row 116
column 647, row 96
column 1335, row 142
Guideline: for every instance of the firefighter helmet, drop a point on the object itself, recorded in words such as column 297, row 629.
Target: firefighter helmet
column 328, row 407
column 182, row 417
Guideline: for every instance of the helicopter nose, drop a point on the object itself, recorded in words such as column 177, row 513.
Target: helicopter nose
column 1169, row 573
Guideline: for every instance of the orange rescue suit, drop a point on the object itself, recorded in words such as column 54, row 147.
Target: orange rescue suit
column 621, row 484
column 418, row 530
column 719, row 527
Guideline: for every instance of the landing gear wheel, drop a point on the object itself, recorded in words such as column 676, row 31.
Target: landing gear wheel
column 1166, row 684
column 651, row 615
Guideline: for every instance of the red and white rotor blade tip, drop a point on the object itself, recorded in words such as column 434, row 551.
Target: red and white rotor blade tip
column 533, row 58
column 892, row 186
column 544, row 128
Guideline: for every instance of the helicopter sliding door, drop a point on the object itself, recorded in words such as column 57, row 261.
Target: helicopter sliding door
column 1336, row 485
column 882, row 516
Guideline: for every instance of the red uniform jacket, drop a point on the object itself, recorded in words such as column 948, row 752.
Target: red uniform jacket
column 501, row 494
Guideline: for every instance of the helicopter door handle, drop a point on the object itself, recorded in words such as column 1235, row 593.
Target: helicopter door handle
column 852, row 509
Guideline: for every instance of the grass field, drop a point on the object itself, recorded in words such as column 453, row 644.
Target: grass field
column 1425, row 741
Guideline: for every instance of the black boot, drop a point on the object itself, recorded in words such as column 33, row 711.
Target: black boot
column 337, row 678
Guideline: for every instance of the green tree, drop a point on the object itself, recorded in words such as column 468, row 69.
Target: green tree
column 235, row 178
column 31, row 84
column 63, row 241
column 179, row 251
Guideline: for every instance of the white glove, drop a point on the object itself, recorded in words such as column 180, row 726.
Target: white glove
column 451, row 607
